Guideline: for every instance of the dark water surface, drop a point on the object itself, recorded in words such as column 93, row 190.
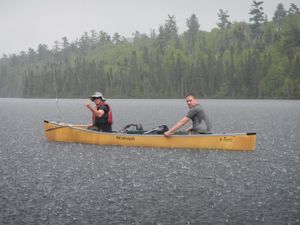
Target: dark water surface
column 60, row 183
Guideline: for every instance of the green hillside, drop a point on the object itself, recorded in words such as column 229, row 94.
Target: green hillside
column 255, row 59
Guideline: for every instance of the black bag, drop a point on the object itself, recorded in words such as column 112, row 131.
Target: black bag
column 158, row 130
column 129, row 129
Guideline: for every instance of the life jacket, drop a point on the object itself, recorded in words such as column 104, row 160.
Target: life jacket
column 107, row 117
column 110, row 117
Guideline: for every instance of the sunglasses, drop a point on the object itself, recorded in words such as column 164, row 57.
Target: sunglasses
column 93, row 99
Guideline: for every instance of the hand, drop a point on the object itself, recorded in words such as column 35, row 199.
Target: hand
column 168, row 134
column 190, row 129
column 88, row 105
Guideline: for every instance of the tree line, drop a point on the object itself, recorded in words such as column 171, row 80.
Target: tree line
column 255, row 59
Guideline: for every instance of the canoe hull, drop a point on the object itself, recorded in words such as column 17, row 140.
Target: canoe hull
column 79, row 134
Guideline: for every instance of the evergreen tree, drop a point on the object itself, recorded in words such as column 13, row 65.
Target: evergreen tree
column 191, row 34
column 224, row 21
column 279, row 15
column 293, row 9
column 257, row 18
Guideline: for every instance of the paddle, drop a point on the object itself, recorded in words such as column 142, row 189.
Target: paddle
column 63, row 126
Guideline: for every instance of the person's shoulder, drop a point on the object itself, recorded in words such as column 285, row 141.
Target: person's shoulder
column 197, row 107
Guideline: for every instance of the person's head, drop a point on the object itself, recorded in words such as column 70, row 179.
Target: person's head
column 97, row 97
column 191, row 100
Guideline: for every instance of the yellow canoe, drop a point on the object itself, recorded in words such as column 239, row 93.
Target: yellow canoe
column 63, row 132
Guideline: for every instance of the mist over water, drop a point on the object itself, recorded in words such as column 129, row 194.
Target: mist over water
column 63, row 183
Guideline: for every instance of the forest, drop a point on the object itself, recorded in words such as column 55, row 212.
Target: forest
column 255, row 59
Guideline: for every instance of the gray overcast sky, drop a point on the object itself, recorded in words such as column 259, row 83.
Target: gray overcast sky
column 27, row 23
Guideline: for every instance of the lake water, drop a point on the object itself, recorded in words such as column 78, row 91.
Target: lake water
column 63, row 183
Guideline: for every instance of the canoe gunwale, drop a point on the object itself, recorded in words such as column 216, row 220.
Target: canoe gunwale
column 80, row 134
column 80, row 127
